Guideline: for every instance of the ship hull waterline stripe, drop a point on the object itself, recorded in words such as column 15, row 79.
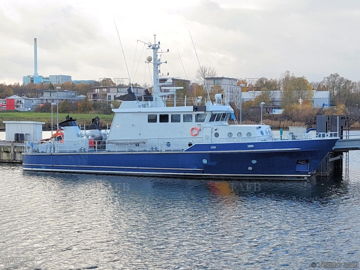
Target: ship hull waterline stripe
column 280, row 176
column 115, row 167
column 172, row 152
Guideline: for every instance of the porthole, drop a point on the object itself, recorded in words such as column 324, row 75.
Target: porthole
column 190, row 144
column 230, row 134
column 168, row 144
column 248, row 134
column 250, row 168
column 216, row 134
column 239, row 134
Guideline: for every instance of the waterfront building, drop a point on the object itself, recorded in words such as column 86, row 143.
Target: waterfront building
column 20, row 131
column 36, row 79
column 232, row 91
column 320, row 99
column 55, row 96
column 59, row 79
column 110, row 93
column 84, row 82
column 22, row 104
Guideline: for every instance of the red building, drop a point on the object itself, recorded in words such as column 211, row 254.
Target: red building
column 10, row 104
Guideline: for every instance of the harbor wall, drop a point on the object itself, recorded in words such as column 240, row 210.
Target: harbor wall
column 11, row 152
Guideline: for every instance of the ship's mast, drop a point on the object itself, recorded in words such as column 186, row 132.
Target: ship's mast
column 156, row 64
column 155, row 47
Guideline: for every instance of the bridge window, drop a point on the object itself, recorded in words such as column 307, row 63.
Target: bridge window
column 164, row 118
column 212, row 117
column 152, row 118
column 218, row 117
column 175, row 118
column 223, row 117
column 187, row 118
column 200, row 117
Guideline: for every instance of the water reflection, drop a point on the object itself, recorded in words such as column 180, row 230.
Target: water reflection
column 74, row 221
column 314, row 189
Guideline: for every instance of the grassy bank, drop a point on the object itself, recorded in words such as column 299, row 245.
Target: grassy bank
column 82, row 118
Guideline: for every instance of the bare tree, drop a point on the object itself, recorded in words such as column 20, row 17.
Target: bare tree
column 204, row 72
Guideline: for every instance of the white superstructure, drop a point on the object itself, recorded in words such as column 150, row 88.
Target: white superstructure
column 151, row 126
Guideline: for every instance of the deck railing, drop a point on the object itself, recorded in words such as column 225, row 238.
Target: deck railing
column 152, row 144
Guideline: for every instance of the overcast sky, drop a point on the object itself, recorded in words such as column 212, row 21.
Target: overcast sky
column 239, row 38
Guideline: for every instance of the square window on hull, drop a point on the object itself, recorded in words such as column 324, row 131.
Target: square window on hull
column 175, row 118
column 152, row 118
column 164, row 118
column 187, row 118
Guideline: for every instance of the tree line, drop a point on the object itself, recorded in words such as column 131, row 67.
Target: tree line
column 296, row 95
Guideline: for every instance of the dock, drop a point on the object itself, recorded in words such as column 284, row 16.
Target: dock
column 11, row 152
column 345, row 145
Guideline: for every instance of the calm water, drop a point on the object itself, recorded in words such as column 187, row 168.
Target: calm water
column 67, row 221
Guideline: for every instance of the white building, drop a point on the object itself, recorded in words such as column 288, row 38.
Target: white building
column 320, row 99
column 231, row 90
column 22, row 104
column 59, row 79
column 56, row 96
column 20, row 131
column 110, row 93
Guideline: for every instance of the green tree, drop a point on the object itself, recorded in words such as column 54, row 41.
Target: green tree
column 107, row 82
column 264, row 84
column 43, row 108
column 339, row 87
column 295, row 89
column 84, row 106
column 66, row 107
column 5, row 91
column 102, row 107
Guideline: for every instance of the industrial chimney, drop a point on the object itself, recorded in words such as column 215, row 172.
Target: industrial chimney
column 35, row 57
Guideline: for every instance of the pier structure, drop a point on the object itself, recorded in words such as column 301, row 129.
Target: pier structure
column 16, row 133
column 336, row 163
column 11, row 152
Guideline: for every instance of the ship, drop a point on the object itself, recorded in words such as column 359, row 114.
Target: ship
column 149, row 138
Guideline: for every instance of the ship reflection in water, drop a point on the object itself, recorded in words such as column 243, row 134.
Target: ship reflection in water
column 315, row 189
column 74, row 221
column 311, row 189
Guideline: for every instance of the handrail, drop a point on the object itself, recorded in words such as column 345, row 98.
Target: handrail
column 327, row 135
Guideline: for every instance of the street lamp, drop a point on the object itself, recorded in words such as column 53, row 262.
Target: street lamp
column 57, row 111
column 52, row 117
column 261, row 112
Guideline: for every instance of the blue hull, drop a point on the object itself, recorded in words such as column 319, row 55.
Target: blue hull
column 275, row 159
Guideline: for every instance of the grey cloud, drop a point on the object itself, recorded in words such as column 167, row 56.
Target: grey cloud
column 67, row 41
column 307, row 37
